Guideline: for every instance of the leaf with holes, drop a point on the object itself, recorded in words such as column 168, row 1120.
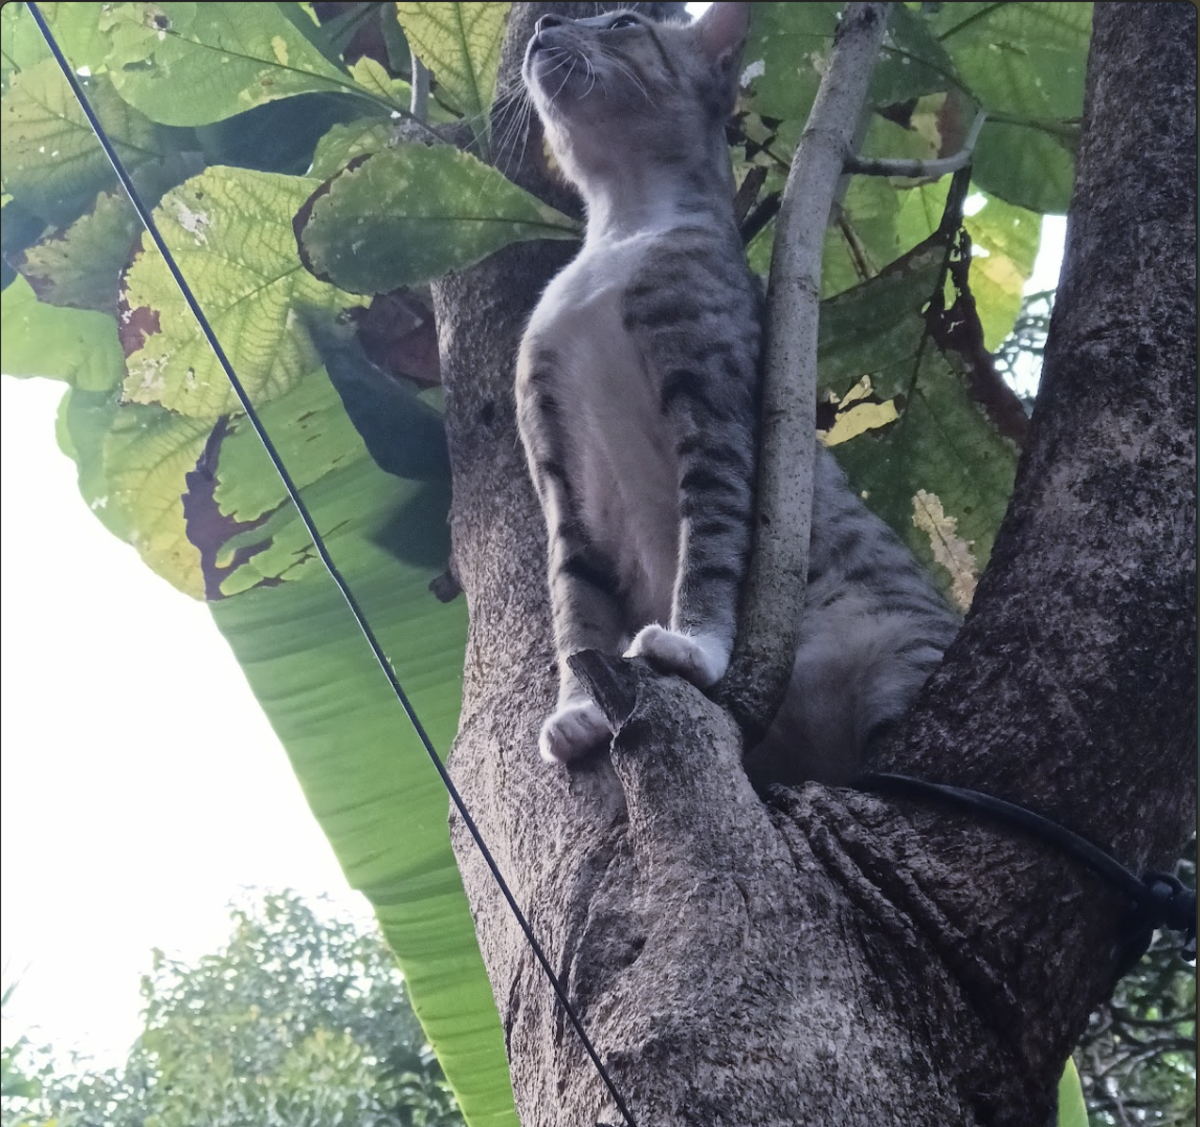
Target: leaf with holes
column 190, row 64
column 79, row 266
column 132, row 462
column 231, row 232
column 412, row 213
column 460, row 45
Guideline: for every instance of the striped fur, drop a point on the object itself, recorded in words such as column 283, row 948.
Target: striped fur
column 637, row 398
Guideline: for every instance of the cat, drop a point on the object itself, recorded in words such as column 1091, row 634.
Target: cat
column 637, row 401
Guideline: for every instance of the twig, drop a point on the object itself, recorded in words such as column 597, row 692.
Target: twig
column 419, row 106
column 766, row 642
column 920, row 169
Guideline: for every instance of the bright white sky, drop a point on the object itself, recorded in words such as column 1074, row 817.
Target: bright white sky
column 142, row 788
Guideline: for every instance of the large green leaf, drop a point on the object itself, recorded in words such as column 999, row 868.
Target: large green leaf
column 1023, row 60
column 412, row 213
column 75, row 345
column 460, row 44
column 1025, row 64
column 230, row 231
column 1030, row 166
column 193, row 63
column 51, row 161
column 369, row 782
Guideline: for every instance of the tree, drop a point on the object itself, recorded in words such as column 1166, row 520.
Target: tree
column 830, row 956
column 298, row 1020
column 813, row 953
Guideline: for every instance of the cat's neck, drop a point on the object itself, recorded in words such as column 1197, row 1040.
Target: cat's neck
column 653, row 199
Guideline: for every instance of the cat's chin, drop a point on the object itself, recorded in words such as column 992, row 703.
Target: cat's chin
column 574, row 732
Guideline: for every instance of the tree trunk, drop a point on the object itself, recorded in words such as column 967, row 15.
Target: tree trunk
column 828, row 956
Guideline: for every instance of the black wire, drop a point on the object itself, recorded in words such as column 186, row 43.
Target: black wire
column 318, row 542
column 1161, row 898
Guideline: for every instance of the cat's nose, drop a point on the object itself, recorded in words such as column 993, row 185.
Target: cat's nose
column 540, row 28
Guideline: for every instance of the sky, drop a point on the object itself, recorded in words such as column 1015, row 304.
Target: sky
column 141, row 787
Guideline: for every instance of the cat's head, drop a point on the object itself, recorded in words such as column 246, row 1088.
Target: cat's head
column 621, row 87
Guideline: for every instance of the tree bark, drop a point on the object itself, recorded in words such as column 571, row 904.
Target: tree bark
column 824, row 955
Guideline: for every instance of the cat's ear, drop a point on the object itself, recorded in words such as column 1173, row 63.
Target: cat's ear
column 722, row 32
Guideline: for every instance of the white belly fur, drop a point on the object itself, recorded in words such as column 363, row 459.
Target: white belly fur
column 623, row 463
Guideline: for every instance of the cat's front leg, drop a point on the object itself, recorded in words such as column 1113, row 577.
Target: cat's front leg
column 584, row 589
column 707, row 391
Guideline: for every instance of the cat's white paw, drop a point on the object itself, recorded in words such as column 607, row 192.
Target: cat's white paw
column 699, row 658
column 572, row 732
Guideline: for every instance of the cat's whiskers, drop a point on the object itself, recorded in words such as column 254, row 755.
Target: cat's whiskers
column 566, row 77
column 629, row 73
column 592, row 78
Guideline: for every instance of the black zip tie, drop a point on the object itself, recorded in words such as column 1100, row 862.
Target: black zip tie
column 323, row 552
column 1160, row 899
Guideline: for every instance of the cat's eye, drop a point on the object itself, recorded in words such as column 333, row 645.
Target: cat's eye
column 622, row 21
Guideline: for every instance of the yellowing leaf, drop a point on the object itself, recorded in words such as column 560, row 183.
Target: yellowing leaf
column 857, row 414
column 230, row 230
column 949, row 549
column 460, row 44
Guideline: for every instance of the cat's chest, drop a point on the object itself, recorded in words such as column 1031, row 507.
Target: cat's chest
column 581, row 315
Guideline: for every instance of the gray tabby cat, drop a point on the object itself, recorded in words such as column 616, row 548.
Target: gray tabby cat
column 637, row 399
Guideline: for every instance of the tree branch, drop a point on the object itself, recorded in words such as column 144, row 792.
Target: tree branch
column 766, row 642
column 419, row 106
column 920, row 169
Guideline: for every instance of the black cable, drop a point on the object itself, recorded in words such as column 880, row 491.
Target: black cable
column 1162, row 900
column 306, row 517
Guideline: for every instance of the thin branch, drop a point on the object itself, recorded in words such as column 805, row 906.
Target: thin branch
column 920, row 169
column 419, row 106
column 766, row 642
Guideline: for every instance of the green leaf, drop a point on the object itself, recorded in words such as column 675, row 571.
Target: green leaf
column 374, row 79
column 1022, row 60
column 933, row 464
column 282, row 136
column 785, row 56
column 460, row 44
column 1030, row 166
column 194, row 63
column 412, row 213
column 80, row 266
column 912, row 62
column 879, row 224
column 846, row 351
column 21, row 44
column 1006, row 242
column 1072, row 1111
column 370, row 784
column 230, row 230
column 1024, row 63
column 51, row 160
column 341, row 144
column 75, row 345
column 132, row 462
